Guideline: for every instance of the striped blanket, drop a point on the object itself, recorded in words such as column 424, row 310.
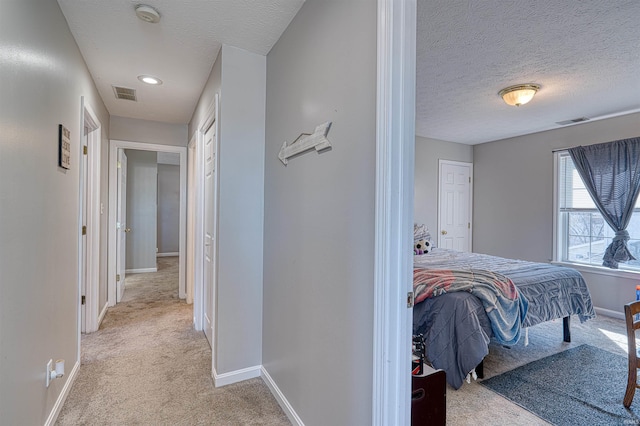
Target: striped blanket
column 504, row 306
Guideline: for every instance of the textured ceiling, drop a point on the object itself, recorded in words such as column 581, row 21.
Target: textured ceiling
column 585, row 55
column 180, row 49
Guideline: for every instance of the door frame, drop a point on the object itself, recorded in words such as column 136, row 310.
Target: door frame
column 89, row 282
column 470, row 201
column 197, row 243
column 395, row 148
column 114, row 144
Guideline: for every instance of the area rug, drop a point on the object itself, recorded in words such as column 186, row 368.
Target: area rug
column 580, row 386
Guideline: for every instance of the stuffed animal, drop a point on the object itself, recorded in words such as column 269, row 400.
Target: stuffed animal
column 421, row 247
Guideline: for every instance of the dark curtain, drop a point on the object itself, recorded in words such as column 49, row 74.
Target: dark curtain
column 611, row 174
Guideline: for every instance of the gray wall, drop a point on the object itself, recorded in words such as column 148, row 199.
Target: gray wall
column 319, row 214
column 142, row 192
column 42, row 78
column 136, row 130
column 239, row 77
column 428, row 153
column 513, row 198
column 168, row 208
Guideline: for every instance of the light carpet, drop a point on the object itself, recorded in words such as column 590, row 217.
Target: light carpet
column 579, row 386
column 148, row 366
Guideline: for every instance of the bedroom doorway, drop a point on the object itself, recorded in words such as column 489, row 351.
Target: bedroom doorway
column 455, row 192
column 114, row 147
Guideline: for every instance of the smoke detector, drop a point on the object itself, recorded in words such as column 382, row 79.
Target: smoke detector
column 147, row 14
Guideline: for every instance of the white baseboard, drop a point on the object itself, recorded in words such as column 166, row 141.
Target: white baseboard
column 282, row 401
column 235, row 376
column 102, row 314
column 141, row 270
column 167, row 254
column 609, row 313
column 55, row 411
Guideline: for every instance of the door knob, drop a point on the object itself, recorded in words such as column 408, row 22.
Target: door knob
column 443, row 232
column 127, row 229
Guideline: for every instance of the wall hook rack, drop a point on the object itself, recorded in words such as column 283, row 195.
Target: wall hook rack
column 305, row 142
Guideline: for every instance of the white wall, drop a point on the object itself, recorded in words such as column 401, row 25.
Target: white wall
column 239, row 77
column 168, row 208
column 513, row 198
column 427, row 155
column 319, row 214
column 136, row 130
column 42, row 77
column 142, row 192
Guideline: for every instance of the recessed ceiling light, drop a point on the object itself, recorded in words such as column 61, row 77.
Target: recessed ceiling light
column 150, row 80
column 147, row 14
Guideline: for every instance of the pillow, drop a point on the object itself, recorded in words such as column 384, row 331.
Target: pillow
column 421, row 232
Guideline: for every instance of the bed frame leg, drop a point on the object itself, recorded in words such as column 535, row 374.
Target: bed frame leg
column 566, row 329
column 480, row 370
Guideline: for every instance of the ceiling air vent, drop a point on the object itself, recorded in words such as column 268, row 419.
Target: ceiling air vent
column 574, row 121
column 125, row 93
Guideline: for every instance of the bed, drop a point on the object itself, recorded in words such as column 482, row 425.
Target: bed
column 456, row 326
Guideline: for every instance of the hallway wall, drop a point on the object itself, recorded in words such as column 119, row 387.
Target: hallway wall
column 319, row 214
column 168, row 208
column 155, row 132
column 42, row 78
column 142, row 208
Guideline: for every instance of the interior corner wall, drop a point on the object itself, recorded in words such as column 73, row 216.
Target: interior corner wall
column 426, row 182
column 43, row 77
column 513, row 198
column 238, row 77
column 154, row 132
column 142, row 190
column 240, row 211
column 319, row 214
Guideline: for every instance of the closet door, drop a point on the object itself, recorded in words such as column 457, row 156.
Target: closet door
column 454, row 206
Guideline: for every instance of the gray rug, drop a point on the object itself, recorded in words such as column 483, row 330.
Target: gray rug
column 580, row 386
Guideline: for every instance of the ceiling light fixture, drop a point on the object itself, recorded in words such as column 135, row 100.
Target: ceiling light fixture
column 147, row 14
column 519, row 94
column 154, row 81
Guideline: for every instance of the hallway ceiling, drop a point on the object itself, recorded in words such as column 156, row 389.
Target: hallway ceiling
column 585, row 55
column 180, row 50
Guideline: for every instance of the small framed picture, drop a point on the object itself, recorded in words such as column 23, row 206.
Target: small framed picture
column 64, row 147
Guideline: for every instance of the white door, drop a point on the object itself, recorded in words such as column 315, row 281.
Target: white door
column 210, row 242
column 454, row 209
column 121, row 224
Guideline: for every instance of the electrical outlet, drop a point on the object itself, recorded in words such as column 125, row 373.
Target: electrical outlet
column 48, row 374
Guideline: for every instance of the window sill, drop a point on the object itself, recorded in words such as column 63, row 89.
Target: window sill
column 601, row 270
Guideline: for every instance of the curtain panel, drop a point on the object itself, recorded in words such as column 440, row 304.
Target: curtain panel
column 611, row 174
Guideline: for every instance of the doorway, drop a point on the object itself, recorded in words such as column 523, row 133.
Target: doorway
column 115, row 147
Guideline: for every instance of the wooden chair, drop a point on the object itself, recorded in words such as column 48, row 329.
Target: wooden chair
column 630, row 310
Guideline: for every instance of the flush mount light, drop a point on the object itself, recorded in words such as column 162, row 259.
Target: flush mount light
column 147, row 14
column 154, row 81
column 519, row 94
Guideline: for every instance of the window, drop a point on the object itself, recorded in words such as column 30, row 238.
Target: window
column 582, row 234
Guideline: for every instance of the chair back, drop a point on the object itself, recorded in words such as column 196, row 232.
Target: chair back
column 630, row 311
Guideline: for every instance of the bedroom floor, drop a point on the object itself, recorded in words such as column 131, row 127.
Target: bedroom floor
column 474, row 404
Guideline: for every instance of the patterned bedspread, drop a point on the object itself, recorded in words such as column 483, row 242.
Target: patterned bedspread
column 455, row 325
column 505, row 308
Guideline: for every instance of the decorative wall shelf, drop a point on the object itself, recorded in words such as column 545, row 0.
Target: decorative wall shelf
column 305, row 142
